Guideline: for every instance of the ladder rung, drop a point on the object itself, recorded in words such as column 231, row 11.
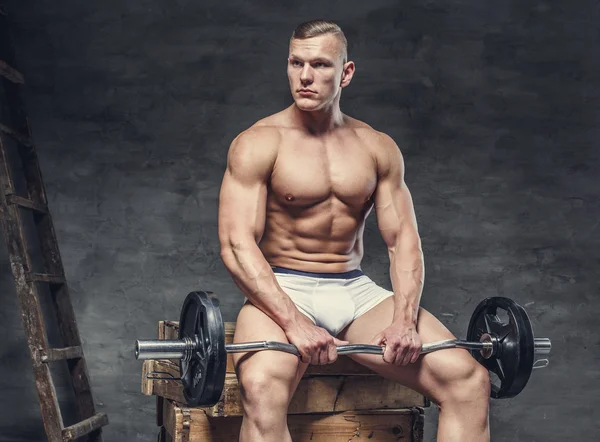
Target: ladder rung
column 23, row 139
column 61, row 354
column 11, row 73
column 85, row 427
column 44, row 277
column 26, row 203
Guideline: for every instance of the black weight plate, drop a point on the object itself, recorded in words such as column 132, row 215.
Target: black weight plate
column 203, row 377
column 513, row 361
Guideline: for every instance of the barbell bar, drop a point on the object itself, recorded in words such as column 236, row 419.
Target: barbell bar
column 184, row 348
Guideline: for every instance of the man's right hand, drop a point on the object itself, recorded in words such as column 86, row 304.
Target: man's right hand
column 315, row 344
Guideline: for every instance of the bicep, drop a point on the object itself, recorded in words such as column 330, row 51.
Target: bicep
column 242, row 209
column 394, row 205
column 395, row 214
column 243, row 195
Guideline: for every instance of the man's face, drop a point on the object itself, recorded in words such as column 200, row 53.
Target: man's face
column 316, row 71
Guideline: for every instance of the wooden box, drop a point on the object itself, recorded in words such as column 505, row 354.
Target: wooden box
column 181, row 424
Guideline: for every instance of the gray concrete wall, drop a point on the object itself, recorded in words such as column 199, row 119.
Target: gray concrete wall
column 495, row 105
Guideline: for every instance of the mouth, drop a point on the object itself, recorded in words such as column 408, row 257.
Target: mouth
column 306, row 92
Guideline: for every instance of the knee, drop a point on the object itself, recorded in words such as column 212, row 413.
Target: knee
column 467, row 383
column 262, row 389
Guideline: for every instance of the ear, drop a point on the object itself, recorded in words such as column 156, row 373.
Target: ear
column 347, row 73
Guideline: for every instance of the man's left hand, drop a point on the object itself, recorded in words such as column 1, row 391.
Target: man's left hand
column 402, row 344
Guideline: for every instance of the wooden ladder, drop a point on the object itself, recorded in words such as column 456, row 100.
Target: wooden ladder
column 23, row 200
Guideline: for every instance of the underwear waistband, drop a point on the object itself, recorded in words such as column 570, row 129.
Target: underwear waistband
column 342, row 275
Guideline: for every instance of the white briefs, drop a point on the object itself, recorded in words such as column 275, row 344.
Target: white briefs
column 331, row 300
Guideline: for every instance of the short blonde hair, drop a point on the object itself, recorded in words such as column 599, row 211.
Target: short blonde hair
column 314, row 28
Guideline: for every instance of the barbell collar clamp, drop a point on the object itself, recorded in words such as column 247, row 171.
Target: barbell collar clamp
column 542, row 346
column 165, row 348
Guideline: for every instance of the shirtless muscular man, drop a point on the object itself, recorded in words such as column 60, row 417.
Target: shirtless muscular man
column 297, row 190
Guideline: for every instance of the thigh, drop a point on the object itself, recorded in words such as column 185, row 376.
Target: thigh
column 432, row 373
column 264, row 366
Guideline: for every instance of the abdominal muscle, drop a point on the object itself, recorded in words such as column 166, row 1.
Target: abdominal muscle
column 325, row 238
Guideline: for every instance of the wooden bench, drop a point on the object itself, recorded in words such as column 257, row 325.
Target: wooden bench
column 334, row 402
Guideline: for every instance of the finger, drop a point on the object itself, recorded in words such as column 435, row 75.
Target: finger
column 410, row 351
column 308, row 354
column 323, row 356
column 401, row 355
column 314, row 358
column 411, row 347
column 409, row 356
column 318, row 353
column 417, row 346
column 405, row 352
column 331, row 353
column 338, row 342
column 390, row 354
column 386, row 354
column 378, row 339
column 305, row 356
column 315, row 354
column 416, row 354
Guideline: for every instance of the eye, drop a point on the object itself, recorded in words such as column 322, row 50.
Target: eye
column 319, row 64
column 296, row 63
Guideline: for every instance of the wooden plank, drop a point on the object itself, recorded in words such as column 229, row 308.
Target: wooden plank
column 147, row 367
column 59, row 354
column 193, row 425
column 44, row 277
column 166, row 369
column 84, row 427
column 14, row 134
column 315, row 394
column 26, row 204
column 10, row 73
column 344, row 365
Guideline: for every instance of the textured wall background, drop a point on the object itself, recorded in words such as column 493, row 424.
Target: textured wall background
column 496, row 107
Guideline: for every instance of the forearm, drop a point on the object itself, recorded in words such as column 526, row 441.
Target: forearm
column 407, row 273
column 253, row 275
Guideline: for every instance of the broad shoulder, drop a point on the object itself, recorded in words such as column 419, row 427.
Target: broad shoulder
column 264, row 135
column 384, row 149
column 381, row 144
column 254, row 150
column 372, row 137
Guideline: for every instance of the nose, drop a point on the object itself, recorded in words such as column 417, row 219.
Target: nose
column 306, row 76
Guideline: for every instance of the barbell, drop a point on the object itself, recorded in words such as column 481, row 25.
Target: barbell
column 507, row 348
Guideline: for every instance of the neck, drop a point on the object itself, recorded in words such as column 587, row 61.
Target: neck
column 320, row 121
